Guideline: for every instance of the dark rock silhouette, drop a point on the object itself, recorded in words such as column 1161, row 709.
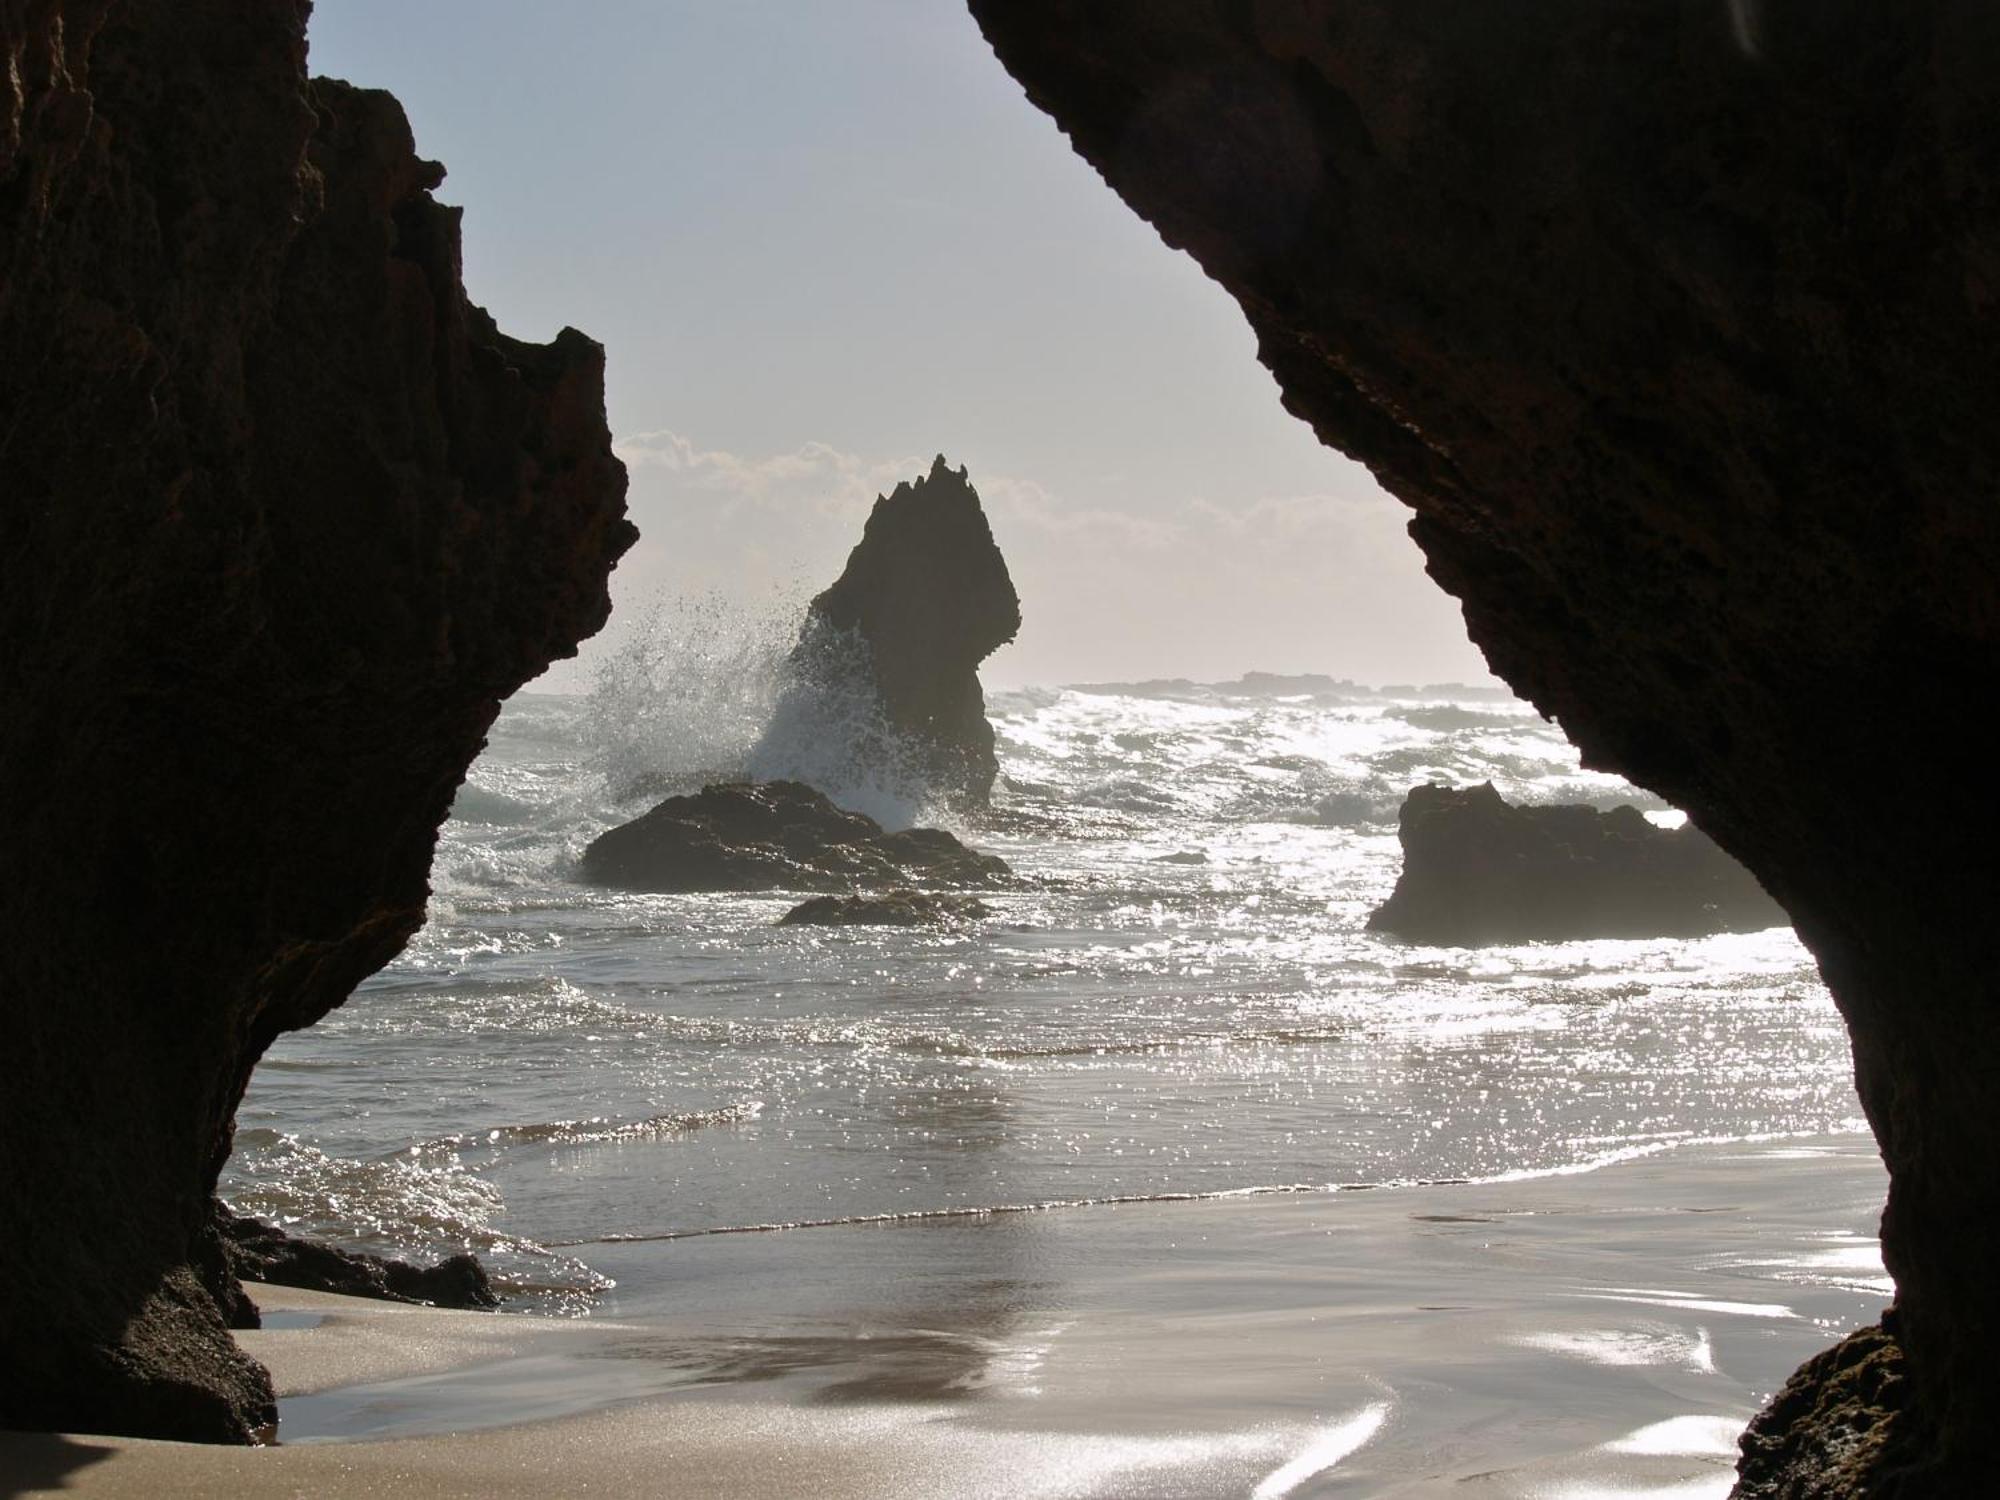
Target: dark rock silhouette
column 1830, row 1431
column 775, row 836
column 256, row 1251
column 1674, row 325
column 903, row 908
column 1479, row 870
column 283, row 519
column 926, row 594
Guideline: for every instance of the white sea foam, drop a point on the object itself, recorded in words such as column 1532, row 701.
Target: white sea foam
column 690, row 693
column 828, row 730
column 422, row 1203
column 711, row 689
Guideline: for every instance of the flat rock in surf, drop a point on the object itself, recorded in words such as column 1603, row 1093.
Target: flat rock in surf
column 254, row 1251
column 903, row 908
column 1477, row 869
column 776, row 836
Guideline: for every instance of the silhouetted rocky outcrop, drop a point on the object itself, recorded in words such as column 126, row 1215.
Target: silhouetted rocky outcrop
column 1674, row 325
column 1832, row 1430
column 283, row 518
column 256, row 1251
column 1479, row 870
column 926, row 596
column 890, row 909
column 775, row 836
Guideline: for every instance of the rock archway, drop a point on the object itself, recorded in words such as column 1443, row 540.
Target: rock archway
column 1674, row 325
column 283, row 518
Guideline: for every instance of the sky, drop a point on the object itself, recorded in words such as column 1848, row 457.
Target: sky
column 825, row 240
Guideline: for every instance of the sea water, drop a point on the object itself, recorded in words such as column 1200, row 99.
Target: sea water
column 1181, row 1001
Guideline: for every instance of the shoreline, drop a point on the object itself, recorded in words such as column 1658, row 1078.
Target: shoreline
column 1592, row 1333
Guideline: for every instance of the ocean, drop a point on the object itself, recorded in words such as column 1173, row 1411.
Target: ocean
column 823, row 1146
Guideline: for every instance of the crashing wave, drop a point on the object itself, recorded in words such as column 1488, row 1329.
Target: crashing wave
column 828, row 730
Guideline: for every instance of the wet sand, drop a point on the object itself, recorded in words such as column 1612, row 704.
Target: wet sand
column 1593, row 1335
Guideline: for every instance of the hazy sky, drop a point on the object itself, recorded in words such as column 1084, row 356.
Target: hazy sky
column 826, row 239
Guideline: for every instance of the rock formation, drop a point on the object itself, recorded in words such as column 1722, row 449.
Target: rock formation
column 904, row 908
column 283, row 519
column 1674, row 325
column 262, row 1252
column 1832, row 1429
column 923, row 600
column 775, row 836
column 1478, row 870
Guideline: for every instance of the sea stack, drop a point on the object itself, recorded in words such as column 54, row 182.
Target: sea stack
column 925, row 598
column 285, row 518
column 1673, row 324
column 1477, row 869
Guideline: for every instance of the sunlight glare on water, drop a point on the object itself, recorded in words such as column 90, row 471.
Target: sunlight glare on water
column 1181, row 999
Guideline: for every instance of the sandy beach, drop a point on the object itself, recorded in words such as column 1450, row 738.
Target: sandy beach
column 1594, row 1334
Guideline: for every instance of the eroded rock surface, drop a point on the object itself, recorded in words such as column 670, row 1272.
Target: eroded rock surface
column 283, row 517
column 1477, row 869
column 903, row 908
column 1835, row 1431
column 776, row 836
column 926, row 598
column 1673, row 324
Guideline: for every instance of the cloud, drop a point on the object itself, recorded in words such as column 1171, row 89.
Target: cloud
column 1288, row 517
column 817, row 475
column 818, row 482
column 1029, row 505
column 1206, row 585
column 818, row 493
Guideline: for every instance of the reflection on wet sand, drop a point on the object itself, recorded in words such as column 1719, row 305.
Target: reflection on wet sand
column 934, row 1319
column 975, row 1341
column 1573, row 1335
column 915, row 1365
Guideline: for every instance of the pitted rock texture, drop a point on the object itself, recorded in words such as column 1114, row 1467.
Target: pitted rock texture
column 775, row 836
column 1835, row 1431
column 1674, row 325
column 927, row 594
column 1477, row 869
column 282, row 519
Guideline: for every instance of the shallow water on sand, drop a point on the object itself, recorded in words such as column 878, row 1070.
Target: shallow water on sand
column 1585, row 1334
column 621, row 1100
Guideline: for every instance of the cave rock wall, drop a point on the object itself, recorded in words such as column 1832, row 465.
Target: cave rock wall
column 1674, row 325
column 283, row 517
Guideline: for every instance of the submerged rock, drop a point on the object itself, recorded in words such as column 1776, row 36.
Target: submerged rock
column 775, row 835
column 284, row 517
column 924, row 599
column 903, row 908
column 1477, row 869
column 255, row 1251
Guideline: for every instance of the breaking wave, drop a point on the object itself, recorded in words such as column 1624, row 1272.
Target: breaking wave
column 690, row 693
column 714, row 689
column 827, row 730
column 421, row 1204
